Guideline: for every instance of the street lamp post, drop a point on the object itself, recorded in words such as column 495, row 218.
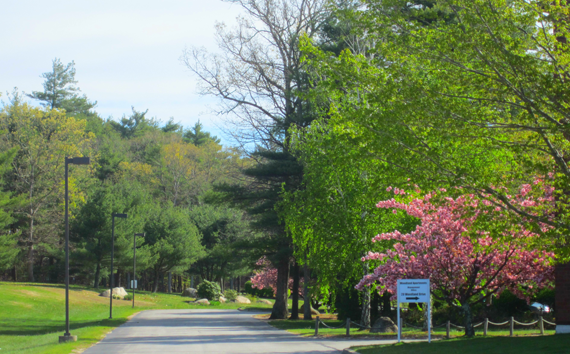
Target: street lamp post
column 135, row 264
column 112, row 282
column 67, row 337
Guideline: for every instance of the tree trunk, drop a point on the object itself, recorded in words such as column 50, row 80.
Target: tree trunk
column 97, row 275
column 386, row 304
column 306, row 294
column 15, row 274
column 295, row 294
column 31, row 262
column 469, row 330
column 156, row 276
column 280, row 310
column 365, row 315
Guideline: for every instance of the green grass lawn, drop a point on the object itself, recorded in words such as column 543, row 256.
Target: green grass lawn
column 307, row 328
column 557, row 344
column 32, row 316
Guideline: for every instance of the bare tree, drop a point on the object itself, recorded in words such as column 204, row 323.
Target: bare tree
column 258, row 74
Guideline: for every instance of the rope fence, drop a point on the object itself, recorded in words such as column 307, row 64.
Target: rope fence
column 448, row 325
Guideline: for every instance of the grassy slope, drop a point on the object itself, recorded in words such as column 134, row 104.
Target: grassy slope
column 557, row 344
column 32, row 316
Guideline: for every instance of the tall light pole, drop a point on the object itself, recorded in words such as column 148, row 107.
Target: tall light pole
column 112, row 282
column 67, row 337
column 135, row 264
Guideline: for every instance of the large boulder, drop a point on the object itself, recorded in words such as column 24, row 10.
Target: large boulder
column 241, row 300
column 222, row 300
column 202, row 302
column 384, row 325
column 120, row 292
column 263, row 301
column 313, row 311
column 190, row 292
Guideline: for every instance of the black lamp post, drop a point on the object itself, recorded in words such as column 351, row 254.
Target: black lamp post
column 135, row 264
column 67, row 337
column 112, row 282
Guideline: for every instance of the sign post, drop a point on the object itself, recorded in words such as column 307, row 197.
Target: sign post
column 414, row 290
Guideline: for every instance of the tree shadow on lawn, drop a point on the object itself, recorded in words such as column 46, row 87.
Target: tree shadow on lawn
column 19, row 327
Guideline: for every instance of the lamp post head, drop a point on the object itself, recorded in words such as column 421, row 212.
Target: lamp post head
column 117, row 215
column 78, row 160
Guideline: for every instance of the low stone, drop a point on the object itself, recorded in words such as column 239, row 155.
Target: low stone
column 222, row 300
column 313, row 311
column 384, row 325
column 241, row 300
column 263, row 301
column 190, row 292
column 202, row 302
column 120, row 292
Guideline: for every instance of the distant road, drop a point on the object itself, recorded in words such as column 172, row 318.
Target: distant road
column 211, row 332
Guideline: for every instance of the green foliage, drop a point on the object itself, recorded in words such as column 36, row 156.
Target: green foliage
column 198, row 137
column 230, row 294
column 264, row 293
column 209, row 290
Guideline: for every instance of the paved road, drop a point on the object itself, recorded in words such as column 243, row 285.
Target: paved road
column 210, row 332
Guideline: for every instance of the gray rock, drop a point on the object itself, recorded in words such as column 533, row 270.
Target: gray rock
column 190, row 292
column 120, row 292
column 241, row 300
column 263, row 301
column 202, row 302
column 384, row 325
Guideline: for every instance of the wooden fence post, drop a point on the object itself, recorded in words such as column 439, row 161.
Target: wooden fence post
column 512, row 325
column 348, row 327
column 485, row 326
column 317, row 326
column 448, row 328
column 541, row 325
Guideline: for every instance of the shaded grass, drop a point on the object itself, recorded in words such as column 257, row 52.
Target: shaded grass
column 32, row 316
column 307, row 328
column 551, row 344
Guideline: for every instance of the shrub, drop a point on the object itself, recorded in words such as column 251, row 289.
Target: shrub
column 230, row 294
column 209, row 290
column 128, row 297
column 249, row 289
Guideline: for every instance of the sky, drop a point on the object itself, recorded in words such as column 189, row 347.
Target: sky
column 126, row 53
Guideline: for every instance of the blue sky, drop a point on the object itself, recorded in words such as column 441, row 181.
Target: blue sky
column 126, row 52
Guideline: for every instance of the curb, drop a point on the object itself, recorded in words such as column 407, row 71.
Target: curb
column 349, row 351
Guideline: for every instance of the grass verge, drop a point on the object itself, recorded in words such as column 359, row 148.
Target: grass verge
column 549, row 344
column 32, row 316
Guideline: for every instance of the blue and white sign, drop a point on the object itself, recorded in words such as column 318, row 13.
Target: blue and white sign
column 134, row 284
column 413, row 290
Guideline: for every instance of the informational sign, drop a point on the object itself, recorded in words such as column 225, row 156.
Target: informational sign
column 413, row 290
column 134, row 284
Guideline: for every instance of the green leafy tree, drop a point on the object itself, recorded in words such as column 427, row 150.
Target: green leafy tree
column 173, row 239
column 198, row 137
column 8, row 235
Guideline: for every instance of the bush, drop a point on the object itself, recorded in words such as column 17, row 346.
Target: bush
column 128, row 297
column 209, row 290
column 230, row 295
column 249, row 289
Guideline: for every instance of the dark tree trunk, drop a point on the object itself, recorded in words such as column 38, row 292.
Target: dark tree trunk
column 365, row 315
column 280, row 310
column 386, row 304
column 469, row 330
column 374, row 305
column 15, row 274
column 306, row 295
column 295, row 294
column 97, row 275
column 156, row 276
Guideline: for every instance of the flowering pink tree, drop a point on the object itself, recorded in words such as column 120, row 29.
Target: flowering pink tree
column 267, row 277
column 463, row 261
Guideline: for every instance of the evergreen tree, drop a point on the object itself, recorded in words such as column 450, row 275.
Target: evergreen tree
column 8, row 236
column 60, row 90
column 198, row 137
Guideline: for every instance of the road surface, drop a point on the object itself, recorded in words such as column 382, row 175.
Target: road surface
column 211, row 332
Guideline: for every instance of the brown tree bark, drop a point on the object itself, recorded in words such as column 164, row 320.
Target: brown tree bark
column 280, row 310
column 295, row 293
